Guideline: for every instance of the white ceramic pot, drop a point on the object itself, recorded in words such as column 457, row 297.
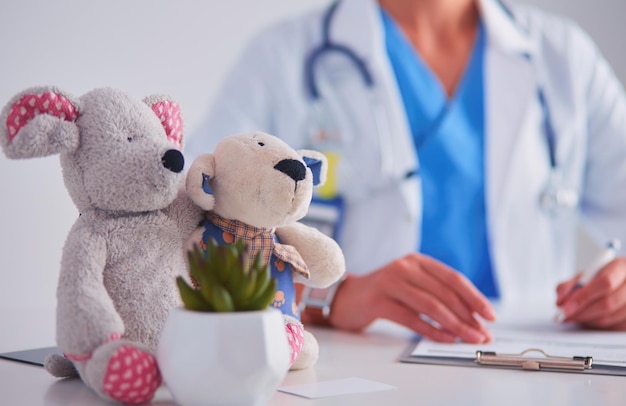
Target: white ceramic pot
column 237, row 358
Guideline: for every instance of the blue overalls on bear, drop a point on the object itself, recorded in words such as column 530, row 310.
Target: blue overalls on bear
column 283, row 259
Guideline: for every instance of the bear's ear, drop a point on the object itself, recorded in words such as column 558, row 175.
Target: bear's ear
column 317, row 162
column 39, row 121
column 197, row 183
column 168, row 112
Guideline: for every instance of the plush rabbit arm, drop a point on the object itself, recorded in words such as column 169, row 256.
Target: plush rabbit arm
column 86, row 315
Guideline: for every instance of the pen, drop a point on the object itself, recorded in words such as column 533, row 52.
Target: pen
column 607, row 255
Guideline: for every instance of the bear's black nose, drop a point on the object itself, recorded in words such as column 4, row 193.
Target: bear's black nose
column 292, row 168
column 173, row 160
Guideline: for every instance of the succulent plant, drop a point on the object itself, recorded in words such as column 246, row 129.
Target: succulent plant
column 225, row 279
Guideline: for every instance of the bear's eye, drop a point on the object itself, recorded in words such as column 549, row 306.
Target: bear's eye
column 261, row 144
column 129, row 139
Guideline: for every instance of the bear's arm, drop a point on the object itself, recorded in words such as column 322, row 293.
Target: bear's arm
column 321, row 253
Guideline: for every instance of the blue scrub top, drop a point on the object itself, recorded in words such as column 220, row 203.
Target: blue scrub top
column 449, row 138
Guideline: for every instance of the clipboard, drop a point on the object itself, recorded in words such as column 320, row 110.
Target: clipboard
column 35, row 356
column 531, row 359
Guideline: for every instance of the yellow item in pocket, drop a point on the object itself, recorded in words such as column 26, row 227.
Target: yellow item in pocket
column 329, row 189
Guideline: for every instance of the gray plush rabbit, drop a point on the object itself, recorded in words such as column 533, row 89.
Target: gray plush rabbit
column 123, row 169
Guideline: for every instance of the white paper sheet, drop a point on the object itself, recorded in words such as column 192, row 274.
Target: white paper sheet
column 337, row 387
column 535, row 330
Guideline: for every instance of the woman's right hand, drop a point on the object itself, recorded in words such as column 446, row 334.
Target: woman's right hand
column 418, row 292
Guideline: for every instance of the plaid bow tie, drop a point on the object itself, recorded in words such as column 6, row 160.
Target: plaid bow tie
column 261, row 240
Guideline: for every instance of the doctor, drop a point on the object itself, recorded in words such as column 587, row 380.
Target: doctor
column 467, row 141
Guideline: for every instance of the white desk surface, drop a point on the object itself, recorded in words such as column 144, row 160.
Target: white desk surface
column 372, row 355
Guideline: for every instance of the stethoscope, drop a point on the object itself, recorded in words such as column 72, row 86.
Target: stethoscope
column 323, row 111
column 555, row 196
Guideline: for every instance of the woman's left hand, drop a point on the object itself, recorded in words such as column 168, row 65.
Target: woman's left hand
column 601, row 303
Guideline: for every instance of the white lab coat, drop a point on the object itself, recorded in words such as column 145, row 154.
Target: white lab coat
column 531, row 250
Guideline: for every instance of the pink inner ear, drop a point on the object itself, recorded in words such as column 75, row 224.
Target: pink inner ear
column 169, row 113
column 32, row 105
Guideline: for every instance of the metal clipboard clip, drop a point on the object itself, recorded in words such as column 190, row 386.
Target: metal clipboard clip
column 522, row 361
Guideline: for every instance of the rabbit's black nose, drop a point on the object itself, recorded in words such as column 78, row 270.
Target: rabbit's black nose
column 292, row 168
column 173, row 160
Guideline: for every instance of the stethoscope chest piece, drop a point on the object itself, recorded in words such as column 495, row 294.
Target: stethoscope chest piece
column 556, row 196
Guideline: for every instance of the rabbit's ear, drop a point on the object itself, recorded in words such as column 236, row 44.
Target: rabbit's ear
column 198, row 180
column 40, row 121
column 168, row 111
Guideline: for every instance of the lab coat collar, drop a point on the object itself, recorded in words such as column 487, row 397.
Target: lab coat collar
column 503, row 29
column 367, row 37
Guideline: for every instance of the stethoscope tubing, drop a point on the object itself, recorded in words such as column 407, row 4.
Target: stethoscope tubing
column 327, row 46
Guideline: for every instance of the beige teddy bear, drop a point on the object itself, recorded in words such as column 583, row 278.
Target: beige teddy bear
column 255, row 187
column 123, row 169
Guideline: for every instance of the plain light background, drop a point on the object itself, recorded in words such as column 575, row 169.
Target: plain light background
column 182, row 48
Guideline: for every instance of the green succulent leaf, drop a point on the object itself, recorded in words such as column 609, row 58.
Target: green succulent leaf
column 233, row 284
column 264, row 275
column 192, row 299
column 226, row 280
column 264, row 298
column 222, row 300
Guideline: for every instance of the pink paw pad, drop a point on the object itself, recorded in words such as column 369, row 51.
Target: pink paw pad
column 132, row 376
column 295, row 338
